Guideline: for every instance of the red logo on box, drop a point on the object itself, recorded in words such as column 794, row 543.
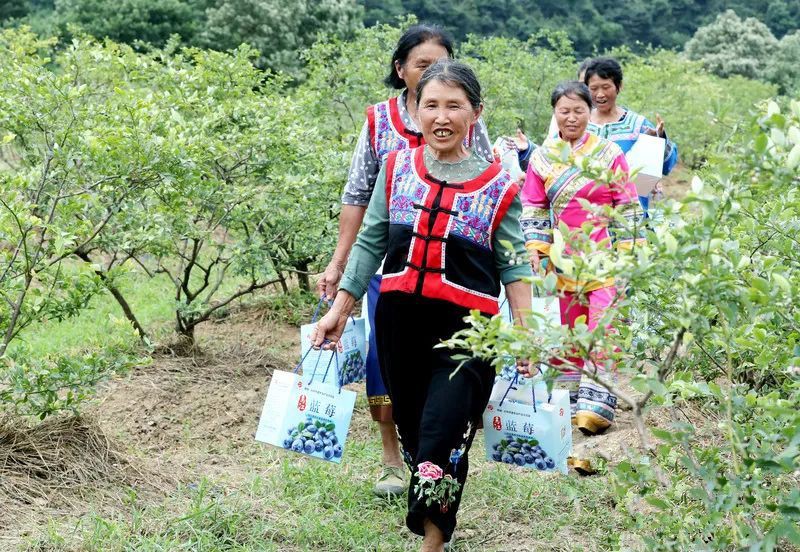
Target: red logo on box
column 561, row 412
column 301, row 403
column 497, row 423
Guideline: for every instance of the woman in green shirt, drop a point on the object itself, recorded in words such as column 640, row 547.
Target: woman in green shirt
column 438, row 215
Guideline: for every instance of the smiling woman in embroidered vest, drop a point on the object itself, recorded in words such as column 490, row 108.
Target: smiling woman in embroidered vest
column 390, row 126
column 439, row 215
column 552, row 193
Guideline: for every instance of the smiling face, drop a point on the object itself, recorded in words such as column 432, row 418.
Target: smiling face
column 604, row 93
column 419, row 58
column 572, row 116
column 446, row 115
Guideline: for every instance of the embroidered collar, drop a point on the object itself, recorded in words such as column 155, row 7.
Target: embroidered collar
column 625, row 113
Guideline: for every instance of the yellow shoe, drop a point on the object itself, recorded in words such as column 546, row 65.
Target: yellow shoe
column 590, row 423
column 583, row 467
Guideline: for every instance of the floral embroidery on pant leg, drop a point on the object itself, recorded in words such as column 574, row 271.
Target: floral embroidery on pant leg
column 435, row 486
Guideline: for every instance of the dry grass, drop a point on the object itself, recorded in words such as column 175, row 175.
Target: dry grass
column 56, row 454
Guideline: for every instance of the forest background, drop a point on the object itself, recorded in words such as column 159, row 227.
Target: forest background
column 170, row 183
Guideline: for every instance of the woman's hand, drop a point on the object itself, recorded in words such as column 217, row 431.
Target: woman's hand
column 535, row 261
column 328, row 284
column 659, row 130
column 520, row 141
column 329, row 329
column 526, row 368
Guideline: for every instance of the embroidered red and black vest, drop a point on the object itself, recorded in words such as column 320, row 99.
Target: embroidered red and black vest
column 388, row 133
column 441, row 233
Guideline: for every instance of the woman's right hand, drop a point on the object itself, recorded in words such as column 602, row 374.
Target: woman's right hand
column 539, row 263
column 527, row 369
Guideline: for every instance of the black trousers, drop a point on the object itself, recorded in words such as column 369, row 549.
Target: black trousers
column 436, row 408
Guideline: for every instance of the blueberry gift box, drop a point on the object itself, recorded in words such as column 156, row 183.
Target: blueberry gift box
column 526, row 431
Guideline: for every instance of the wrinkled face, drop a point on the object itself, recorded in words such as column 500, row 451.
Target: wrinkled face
column 419, row 58
column 572, row 116
column 604, row 93
column 445, row 116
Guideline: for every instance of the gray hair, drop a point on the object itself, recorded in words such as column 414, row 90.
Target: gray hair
column 454, row 73
column 572, row 89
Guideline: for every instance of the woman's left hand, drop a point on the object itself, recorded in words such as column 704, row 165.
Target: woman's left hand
column 659, row 130
column 329, row 329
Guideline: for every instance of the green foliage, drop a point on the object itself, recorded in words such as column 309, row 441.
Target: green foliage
column 518, row 77
column 68, row 169
column 592, row 25
column 783, row 68
column 712, row 327
column 733, row 46
column 279, row 30
column 295, row 307
column 41, row 386
column 11, row 9
column 129, row 21
column 332, row 511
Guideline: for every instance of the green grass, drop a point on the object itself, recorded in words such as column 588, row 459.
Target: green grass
column 103, row 324
column 286, row 502
column 279, row 501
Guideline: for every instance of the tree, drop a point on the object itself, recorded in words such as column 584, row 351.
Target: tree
column 10, row 9
column 783, row 68
column 68, row 170
column 278, row 30
column 130, row 21
column 733, row 46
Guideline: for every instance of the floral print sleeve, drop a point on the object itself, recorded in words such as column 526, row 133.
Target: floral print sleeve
column 363, row 173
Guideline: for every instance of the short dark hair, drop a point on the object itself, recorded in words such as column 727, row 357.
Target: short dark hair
column 582, row 67
column 605, row 68
column 454, row 73
column 413, row 37
column 572, row 89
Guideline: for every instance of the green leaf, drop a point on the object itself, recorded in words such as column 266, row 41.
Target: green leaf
column 657, row 387
column 793, row 159
column 662, row 434
column 657, row 502
column 550, row 282
column 697, row 185
column 760, row 143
